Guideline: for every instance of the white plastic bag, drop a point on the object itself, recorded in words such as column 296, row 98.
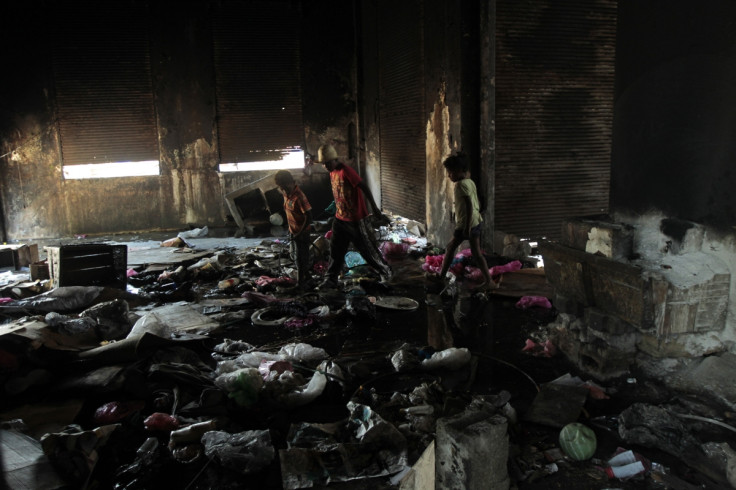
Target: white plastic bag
column 452, row 358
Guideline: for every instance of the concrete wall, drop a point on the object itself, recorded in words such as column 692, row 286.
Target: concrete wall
column 673, row 146
column 38, row 203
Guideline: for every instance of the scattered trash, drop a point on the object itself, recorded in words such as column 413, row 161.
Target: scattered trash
column 246, row 452
column 397, row 303
column 544, row 349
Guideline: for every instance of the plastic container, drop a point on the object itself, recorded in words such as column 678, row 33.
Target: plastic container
column 623, row 458
column 625, row 471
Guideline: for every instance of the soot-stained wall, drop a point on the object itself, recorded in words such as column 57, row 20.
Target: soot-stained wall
column 37, row 202
column 674, row 124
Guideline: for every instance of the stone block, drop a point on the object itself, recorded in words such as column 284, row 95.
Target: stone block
column 599, row 237
column 680, row 346
column 620, row 289
column 564, row 269
column 472, row 451
column 690, row 293
column 567, row 305
column 599, row 356
column 606, row 324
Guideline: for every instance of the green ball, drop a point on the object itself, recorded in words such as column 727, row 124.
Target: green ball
column 578, row 441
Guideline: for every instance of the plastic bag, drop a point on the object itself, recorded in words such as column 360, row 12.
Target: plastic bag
column 243, row 378
column 161, row 421
column 279, row 367
column 113, row 412
column 452, row 358
column 302, row 353
column 305, row 394
column 354, row 259
column 246, row 452
column 196, row 232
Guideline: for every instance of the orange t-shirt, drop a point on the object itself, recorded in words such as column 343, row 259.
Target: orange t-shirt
column 296, row 206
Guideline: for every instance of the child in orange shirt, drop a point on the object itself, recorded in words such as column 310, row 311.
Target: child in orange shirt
column 299, row 215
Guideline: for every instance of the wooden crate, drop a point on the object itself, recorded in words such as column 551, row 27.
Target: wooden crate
column 17, row 256
column 88, row 265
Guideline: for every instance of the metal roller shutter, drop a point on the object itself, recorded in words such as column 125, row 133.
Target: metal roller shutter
column 554, row 111
column 102, row 77
column 259, row 105
column 402, row 133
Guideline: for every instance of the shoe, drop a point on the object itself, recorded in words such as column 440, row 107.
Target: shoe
column 328, row 283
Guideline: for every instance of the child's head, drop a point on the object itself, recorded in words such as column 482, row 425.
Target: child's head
column 284, row 180
column 457, row 166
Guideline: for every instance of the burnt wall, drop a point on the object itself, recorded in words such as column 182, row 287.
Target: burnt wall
column 673, row 144
column 36, row 200
column 329, row 71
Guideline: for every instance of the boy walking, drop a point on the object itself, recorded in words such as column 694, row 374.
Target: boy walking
column 299, row 215
column 467, row 217
column 349, row 190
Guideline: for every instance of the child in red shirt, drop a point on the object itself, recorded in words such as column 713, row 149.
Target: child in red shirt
column 349, row 190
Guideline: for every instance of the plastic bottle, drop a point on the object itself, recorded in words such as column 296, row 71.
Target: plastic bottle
column 192, row 433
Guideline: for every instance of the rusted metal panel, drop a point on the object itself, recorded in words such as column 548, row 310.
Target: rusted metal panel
column 401, row 92
column 259, row 103
column 102, row 78
column 554, row 112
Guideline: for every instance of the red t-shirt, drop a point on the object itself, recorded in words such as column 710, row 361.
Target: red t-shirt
column 348, row 197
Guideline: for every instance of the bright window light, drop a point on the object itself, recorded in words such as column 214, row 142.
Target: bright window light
column 107, row 170
column 291, row 159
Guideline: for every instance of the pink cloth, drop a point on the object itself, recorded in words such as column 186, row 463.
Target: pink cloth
column 432, row 263
column 530, row 301
column 500, row 269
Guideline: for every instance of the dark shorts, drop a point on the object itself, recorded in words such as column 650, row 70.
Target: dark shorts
column 474, row 231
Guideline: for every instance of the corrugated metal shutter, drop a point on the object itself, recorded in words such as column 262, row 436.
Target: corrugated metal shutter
column 554, row 110
column 402, row 125
column 259, row 105
column 102, row 77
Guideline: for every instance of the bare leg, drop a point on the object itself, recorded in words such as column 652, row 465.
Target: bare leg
column 449, row 255
column 481, row 261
